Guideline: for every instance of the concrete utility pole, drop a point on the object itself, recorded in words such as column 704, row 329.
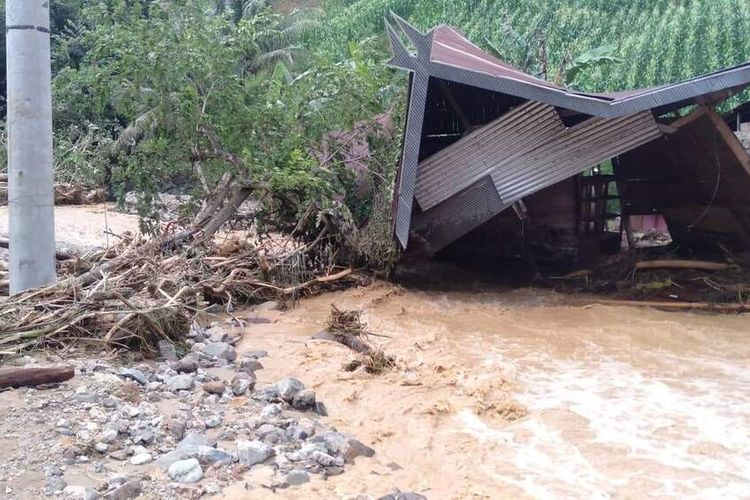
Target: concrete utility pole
column 30, row 182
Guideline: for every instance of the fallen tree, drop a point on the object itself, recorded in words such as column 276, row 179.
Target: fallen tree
column 146, row 289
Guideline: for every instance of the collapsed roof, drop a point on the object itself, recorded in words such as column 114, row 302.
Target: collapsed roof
column 481, row 135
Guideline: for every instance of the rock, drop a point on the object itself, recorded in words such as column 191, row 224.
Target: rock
column 214, row 387
column 195, row 439
column 188, row 364
column 55, row 484
column 342, row 445
column 327, row 460
column 217, row 334
column 253, row 452
column 119, row 455
column 205, row 455
column 256, row 354
column 186, row 471
column 304, row 399
column 297, row 477
column 357, row 449
column 299, row 432
column 109, row 436
column 270, row 305
column 220, row 350
column 141, row 459
column 101, row 447
column 116, row 480
column 270, row 411
column 80, row 493
column 269, row 393
column 145, row 436
column 127, row 491
column 333, row 470
column 134, row 374
column 213, row 421
column 241, row 385
column 288, row 388
column 320, row 409
column 250, row 365
column 398, row 495
column 180, row 383
column 167, row 350
column 212, row 488
column 269, row 433
column 175, row 426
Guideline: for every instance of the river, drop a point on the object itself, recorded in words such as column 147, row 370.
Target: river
column 523, row 393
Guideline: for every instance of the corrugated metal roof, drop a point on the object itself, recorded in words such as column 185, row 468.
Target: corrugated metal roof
column 445, row 54
column 450, row 48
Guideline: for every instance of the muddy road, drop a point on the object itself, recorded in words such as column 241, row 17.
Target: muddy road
column 517, row 393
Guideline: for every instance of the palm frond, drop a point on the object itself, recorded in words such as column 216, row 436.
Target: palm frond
column 254, row 7
column 139, row 128
column 275, row 39
column 270, row 59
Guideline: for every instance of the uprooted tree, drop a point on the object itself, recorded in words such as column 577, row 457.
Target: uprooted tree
column 174, row 93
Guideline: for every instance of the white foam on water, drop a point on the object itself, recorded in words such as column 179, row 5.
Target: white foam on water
column 658, row 416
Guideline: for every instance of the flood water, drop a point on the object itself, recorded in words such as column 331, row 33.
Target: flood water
column 524, row 393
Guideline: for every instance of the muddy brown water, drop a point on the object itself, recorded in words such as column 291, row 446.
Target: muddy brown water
column 518, row 393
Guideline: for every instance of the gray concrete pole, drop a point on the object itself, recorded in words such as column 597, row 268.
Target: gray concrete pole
column 30, row 182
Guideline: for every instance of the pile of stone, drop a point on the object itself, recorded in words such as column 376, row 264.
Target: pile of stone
column 180, row 429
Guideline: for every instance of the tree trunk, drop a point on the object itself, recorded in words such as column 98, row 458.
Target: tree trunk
column 30, row 377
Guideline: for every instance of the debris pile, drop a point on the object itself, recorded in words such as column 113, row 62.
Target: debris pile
column 65, row 193
column 665, row 282
column 138, row 291
column 346, row 327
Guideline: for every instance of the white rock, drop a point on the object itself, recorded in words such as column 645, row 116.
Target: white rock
column 141, row 459
column 80, row 493
column 186, row 471
column 253, row 452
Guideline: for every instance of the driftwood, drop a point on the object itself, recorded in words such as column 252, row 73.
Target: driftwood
column 32, row 377
column 706, row 306
column 346, row 328
column 682, row 264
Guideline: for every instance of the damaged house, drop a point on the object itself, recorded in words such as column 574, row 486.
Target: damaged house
column 494, row 158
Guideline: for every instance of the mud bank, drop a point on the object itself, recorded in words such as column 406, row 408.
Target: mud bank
column 519, row 393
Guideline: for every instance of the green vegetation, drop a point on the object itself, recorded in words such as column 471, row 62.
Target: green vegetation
column 176, row 94
column 660, row 41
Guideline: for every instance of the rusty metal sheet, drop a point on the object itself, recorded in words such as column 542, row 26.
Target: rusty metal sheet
column 478, row 154
column 458, row 215
column 540, row 165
